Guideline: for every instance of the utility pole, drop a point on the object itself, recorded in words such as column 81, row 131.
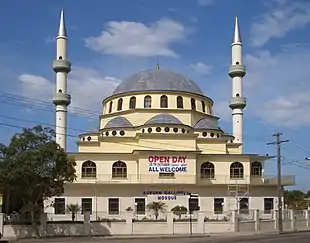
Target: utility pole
column 278, row 144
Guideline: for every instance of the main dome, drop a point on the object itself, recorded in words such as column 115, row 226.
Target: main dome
column 157, row 80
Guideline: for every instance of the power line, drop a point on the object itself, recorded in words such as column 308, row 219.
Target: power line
column 36, row 104
column 278, row 143
column 127, row 144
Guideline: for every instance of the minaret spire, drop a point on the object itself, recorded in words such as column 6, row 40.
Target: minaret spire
column 237, row 71
column 62, row 99
column 237, row 36
column 62, row 25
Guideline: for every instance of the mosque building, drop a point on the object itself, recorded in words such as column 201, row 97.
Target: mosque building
column 159, row 140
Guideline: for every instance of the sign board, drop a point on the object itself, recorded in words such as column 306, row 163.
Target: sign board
column 166, row 195
column 167, row 164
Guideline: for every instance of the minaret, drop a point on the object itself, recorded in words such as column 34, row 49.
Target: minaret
column 237, row 71
column 62, row 99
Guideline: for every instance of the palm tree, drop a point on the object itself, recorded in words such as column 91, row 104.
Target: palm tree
column 73, row 209
column 156, row 207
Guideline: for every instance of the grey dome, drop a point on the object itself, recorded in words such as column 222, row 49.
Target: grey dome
column 118, row 122
column 157, row 80
column 206, row 123
column 163, row 119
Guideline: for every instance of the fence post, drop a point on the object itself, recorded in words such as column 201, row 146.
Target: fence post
column 86, row 224
column 201, row 223
column 43, row 222
column 257, row 221
column 235, row 220
column 170, row 223
column 129, row 224
column 276, row 218
column 292, row 218
column 1, row 224
column 307, row 218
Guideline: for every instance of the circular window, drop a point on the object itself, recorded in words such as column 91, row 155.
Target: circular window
column 204, row 134
column 175, row 130
column 122, row 133
column 218, row 135
column 88, row 138
column 107, row 133
column 167, row 129
column 114, row 133
column 212, row 135
column 83, row 138
column 149, row 130
column 183, row 130
column 158, row 129
column 143, row 130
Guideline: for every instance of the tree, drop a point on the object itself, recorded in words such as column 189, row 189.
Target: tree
column 295, row 199
column 179, row 211
column 73, row 209
column 35, row 167
column 156, row 207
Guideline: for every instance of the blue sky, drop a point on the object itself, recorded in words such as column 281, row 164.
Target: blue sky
column 193, row 38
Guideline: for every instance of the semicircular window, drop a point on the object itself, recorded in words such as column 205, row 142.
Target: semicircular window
column 89, row 169
column 119, row 169
column 207, row 170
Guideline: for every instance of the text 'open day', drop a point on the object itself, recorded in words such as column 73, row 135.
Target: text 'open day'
column 167, row 159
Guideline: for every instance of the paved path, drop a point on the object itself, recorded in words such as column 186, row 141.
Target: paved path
column 303, row 237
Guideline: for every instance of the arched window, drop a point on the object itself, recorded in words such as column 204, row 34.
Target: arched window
column 180, row 102
column 236, row 170
column 147, row 101
column 203, row 106
column 256, row 169
column 163, row 101
column 120, row 104
column 89, row 169
column 193, row 104
column 132, row 103
column 119, row 170
column 207, row 170
column 110, row 107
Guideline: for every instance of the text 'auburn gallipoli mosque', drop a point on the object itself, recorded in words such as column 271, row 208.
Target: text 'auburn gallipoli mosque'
column 159, row 141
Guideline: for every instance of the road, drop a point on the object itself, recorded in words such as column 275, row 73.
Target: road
column 284, row 238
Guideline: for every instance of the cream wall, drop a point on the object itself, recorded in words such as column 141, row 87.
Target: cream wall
column 140, row 139
column 127, row 194
column 172, row 101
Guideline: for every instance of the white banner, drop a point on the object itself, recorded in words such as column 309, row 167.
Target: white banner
column 167, row 164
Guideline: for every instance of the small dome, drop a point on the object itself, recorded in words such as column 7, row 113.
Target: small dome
column 157, row 80
column 163, row 119
column 120, row 122
column 206, row 123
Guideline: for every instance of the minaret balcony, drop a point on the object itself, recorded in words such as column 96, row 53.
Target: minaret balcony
column 62, row 99
column 237, row 103
column 237, row 71
column 61, row 66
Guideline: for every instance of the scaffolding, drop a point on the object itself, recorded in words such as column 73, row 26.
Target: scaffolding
column 238, row 192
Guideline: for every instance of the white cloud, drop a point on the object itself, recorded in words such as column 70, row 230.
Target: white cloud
column 205, row 2
column 201, row 68
column 222, row 110
column 37, row 87
column 277, row 87
column 282, row 17
column 288, row 111
column 87, row 87
column 126, row 38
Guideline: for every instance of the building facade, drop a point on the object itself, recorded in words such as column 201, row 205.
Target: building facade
column 159, row 140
